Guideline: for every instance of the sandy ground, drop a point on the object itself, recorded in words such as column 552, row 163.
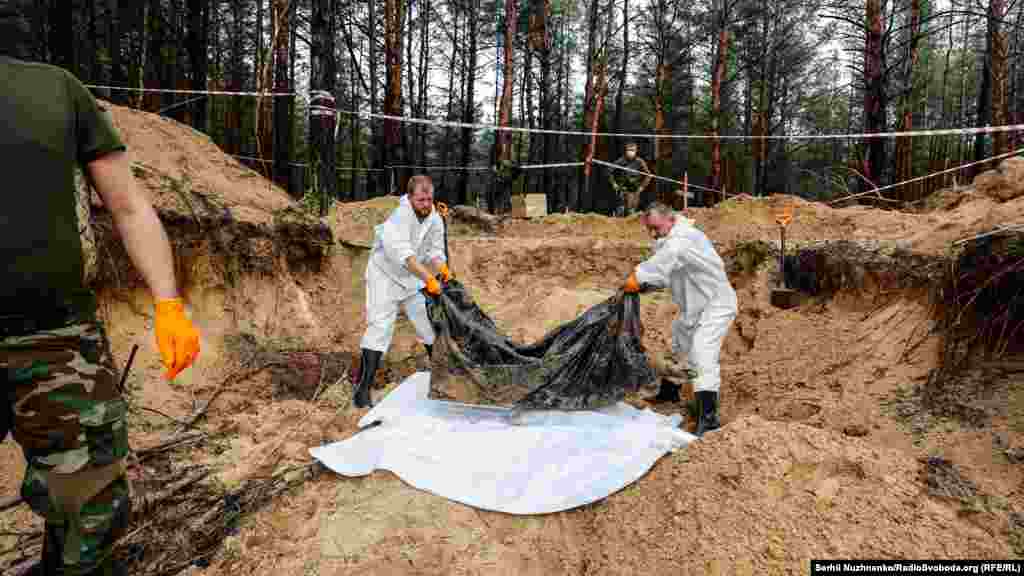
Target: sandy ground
column 823, row 453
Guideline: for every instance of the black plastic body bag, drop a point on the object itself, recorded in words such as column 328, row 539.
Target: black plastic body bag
column 590, row 362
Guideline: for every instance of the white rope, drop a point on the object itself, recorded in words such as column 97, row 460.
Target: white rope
column 1007, row 228
column 466, row 168
column 651, row 136
column 205, row 92
column 339, row 168
column 180, row 104
column 655, row 176
column 926, row 176
column 315, row 109
column 538, row 166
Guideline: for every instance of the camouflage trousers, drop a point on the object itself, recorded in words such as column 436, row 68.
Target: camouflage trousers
column 64, row 409
column 626, row 200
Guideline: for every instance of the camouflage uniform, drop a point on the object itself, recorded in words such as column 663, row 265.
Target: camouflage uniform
column 627, row 185
column 63, row 405
column 69, row 418
column 506, row 173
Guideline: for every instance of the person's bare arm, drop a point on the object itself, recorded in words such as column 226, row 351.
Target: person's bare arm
column 136, row 221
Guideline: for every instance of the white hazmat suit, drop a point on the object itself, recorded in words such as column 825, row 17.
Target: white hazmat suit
column 389, row 284
column 686, row 261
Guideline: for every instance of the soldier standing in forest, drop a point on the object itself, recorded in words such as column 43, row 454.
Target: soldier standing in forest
column 629, row 185
column 63, row 403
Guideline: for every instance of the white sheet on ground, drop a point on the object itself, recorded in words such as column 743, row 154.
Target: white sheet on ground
column 486, row 457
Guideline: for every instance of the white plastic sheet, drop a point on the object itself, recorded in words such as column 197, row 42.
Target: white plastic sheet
column 493, row 459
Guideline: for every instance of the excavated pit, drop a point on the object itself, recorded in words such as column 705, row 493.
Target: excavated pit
column 815, row 459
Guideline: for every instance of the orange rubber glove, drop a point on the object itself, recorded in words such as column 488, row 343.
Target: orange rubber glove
column 176, row 337
column 632, row 286
column 433, row 287
column 446, row 274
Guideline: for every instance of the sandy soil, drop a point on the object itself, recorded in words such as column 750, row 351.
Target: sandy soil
column 813, row 460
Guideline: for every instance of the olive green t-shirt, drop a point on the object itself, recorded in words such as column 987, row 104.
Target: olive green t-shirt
column 51, row 123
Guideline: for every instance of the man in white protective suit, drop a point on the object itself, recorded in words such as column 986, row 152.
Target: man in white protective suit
column 686, row 262
column 410, row 239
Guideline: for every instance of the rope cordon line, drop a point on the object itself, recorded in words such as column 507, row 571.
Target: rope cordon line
column 305, row 164
column 320, row 110
column 926, row 176
column 183, row 91
column 654, row 176
column 650, row 136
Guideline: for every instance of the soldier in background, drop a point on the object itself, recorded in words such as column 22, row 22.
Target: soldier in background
column 629, row 185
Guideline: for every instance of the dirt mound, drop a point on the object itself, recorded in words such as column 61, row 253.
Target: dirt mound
column 209, row 202
column 165, row 152
column 1005, row 182
column 760, row 497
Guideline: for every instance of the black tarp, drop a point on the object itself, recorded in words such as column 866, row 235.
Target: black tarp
column 590, row 362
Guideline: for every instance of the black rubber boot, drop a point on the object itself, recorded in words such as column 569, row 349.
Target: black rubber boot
column 668, row 392
column 367, row 370
column 707, row 412
column 430, row 350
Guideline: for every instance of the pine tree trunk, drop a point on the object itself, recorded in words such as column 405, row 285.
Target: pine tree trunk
column 424, row 72
column 874, row 95
column 904, row 146
column 552, row 196
column 446, row 153
column 376, row 180
column 1000, row 55
column 198, row 31
column 155, row 24
column 62, row 38
column 718, row 75
column 408, row 105
column 114, row 30
column 94, row 43
column 282, row 132
column 469, row 106
column 504, row 138
column 323, row 71
column 984, row 102
column 590, row 104
column 623, row 71
column 394, row 153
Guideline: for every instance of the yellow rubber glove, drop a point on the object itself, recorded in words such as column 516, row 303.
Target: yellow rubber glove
column 632, row 286
column 176, row 337
column 446, row 274
column 433, row 287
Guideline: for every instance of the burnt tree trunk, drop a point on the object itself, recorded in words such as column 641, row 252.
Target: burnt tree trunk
column 322, row 118
column 504, row 138
column 874, row 94
column 717, row 77
column 590, row 103
column 904, row 146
